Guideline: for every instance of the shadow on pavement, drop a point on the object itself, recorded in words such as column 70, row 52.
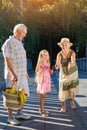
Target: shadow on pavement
column 71, row 120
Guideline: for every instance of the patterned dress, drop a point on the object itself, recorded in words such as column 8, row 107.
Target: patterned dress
column 68, row 79
column 44, row 83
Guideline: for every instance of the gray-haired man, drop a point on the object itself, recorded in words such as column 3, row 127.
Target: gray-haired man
column 16, row 67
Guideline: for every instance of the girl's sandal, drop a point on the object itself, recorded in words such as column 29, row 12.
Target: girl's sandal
column 46, row 111
column 43, row 113
column 63, row 110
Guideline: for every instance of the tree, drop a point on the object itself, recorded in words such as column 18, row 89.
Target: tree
column 47, row 21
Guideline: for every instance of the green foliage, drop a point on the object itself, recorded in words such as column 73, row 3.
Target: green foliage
column 47, row 21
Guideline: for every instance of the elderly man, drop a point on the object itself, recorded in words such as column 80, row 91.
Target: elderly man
column 16, row 67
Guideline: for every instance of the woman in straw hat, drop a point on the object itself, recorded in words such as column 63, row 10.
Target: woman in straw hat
column 68, row 74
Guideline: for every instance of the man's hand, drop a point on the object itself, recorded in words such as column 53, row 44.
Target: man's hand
column 27, row 76
column 14, row 77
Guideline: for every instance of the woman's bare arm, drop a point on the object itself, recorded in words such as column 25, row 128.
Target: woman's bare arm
column 58, row 61
column 73, row 60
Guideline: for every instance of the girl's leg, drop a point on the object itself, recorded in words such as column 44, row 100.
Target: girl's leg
column 42, row 100
column 72, row 103
column 63, row 109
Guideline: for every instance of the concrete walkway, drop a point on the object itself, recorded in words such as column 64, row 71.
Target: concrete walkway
column 71, row 120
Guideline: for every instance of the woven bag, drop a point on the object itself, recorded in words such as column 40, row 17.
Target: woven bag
column 11, row 100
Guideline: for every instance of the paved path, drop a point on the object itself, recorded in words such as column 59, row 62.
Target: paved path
column 71, row 120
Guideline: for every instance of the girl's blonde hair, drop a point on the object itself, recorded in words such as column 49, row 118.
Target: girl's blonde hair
column 40, row 62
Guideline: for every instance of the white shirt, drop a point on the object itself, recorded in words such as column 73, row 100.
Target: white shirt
column 14, row 49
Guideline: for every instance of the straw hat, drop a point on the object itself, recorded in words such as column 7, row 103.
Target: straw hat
column 65, row 40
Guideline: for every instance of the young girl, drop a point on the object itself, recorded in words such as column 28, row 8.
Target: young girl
column 43, row 78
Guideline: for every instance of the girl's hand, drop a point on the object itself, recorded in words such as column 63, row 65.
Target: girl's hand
column 51, row 71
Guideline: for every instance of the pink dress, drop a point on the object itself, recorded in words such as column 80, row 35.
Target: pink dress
column 44, row 84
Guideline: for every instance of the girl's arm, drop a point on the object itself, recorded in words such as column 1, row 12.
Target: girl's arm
column 38, row 72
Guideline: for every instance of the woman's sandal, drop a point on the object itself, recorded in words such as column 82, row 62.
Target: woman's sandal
column 72, row 103
column 63, row 109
